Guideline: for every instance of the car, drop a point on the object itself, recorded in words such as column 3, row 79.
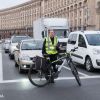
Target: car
column 14, row 42
column 26, row 51
column 88, row 52
column 6, row 45
column 0, row 41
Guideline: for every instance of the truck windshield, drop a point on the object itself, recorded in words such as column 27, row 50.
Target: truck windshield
column 61, row 33
column 93, row 39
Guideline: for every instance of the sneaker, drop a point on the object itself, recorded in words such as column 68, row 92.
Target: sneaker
column 51, row 81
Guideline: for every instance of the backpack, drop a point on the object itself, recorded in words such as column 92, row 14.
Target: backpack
column 40, row 63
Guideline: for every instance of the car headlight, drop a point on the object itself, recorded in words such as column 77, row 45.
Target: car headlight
column 96, row 51
column 25, row 58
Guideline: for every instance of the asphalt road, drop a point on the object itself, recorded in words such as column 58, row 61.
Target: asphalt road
column 15, row 86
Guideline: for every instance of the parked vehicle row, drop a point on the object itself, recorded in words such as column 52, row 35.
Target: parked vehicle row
column 24, row 48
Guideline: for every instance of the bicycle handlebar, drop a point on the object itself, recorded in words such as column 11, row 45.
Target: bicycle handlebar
column 72, row 50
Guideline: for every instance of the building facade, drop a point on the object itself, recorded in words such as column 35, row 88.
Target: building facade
column 81, row 14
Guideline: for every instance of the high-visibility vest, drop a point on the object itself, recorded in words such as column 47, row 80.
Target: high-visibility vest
column 51, row 48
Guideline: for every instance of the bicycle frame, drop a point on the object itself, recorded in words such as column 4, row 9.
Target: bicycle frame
column 68, row 56
column 66, row 60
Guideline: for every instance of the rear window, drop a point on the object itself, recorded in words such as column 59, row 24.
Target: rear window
column 18, row 39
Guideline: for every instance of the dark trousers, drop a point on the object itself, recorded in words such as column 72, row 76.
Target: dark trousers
column 53, row 58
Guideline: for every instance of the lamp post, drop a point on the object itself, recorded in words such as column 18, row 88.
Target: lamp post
column 26, row 29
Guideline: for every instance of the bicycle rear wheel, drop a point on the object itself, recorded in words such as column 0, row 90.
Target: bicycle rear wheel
column 75, row 72
column 38, row 79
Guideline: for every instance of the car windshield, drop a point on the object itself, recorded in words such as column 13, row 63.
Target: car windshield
column 32, row 45
column 7, row 41
column 93, row 39
column 19, row 38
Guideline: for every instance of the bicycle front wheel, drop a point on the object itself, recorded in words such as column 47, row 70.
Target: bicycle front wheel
column 75, row 72
column 38, row 79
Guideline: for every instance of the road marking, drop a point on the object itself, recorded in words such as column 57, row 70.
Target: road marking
column 86, row 77
column 58, row 79
column 78, row 71
column 1, row 69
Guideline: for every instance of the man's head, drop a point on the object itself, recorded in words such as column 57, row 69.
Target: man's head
column 51, row 33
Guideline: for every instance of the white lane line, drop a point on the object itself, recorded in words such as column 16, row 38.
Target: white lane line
column 78, row 71
column 1, row 69
column 71, row 78
column 58, row 79
column 14, row 81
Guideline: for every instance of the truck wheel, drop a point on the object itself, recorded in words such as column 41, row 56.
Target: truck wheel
column 88, row 64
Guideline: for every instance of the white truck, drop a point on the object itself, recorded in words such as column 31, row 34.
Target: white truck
column 59, row 25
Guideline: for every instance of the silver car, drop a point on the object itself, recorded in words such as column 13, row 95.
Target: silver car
column 25, row 52
column 14, row 42
column 6, row 45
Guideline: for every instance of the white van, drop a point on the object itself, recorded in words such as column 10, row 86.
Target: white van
column 88, row 52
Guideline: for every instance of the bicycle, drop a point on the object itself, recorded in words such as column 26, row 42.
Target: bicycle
column 39, row 79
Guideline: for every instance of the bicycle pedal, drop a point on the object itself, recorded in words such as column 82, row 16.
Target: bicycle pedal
column 56, row 74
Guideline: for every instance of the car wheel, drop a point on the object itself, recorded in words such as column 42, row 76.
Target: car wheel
column 20, row 70
column 16, row 65
column 6, row 51
column 11, row 57
column 89, row 65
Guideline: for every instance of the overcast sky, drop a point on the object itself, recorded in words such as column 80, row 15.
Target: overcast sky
column 9, row 3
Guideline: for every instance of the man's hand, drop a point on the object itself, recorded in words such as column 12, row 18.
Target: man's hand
column 45, row 55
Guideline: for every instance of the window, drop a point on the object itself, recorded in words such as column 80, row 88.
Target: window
column 81, row 41
column 72, row 39
column 93, row 39
column 32, row 45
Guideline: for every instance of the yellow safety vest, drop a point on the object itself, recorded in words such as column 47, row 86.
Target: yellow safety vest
column 51, row 48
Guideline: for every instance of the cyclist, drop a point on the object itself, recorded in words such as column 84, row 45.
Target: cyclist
column 51, row 47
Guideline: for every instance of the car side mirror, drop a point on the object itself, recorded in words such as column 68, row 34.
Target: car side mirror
column 17, row 47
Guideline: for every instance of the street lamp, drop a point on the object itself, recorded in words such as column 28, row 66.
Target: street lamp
column 26, row 29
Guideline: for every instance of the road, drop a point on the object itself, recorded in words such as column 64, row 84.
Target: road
column 15, row 86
